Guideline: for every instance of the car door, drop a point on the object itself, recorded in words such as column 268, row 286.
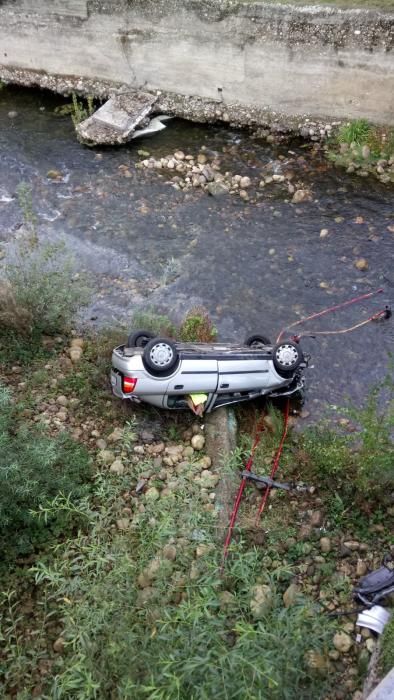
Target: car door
column 242, row 375
column 195, row 376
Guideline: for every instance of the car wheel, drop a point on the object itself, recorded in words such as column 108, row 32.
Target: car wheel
column 257, row 341
column 160, row 355
column 287, row 356
column 139, row 339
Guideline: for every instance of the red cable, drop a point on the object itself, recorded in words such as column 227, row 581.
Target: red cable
column 374, row 317
column 248, row 467
column 275, row 463
column 329, row 310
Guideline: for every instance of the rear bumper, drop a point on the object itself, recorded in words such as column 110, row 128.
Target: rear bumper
column 116, row 385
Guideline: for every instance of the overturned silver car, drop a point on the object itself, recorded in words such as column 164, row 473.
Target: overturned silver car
column 166, row 374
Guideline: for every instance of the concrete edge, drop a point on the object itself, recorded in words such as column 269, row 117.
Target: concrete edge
column 221, row 441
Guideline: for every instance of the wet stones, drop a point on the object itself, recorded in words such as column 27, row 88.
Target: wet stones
column 325, row 545
column 300, row 196
column 342, row 642
column 261, row 601
column 361, row 264
column 198, row 442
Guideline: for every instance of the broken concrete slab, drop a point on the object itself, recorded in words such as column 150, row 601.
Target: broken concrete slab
column 221, row 441
column 117, row 119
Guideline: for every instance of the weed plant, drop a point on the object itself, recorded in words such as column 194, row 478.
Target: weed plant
column 360, row 464
column 34, row 469
column 174, row 639
column 387, row 654
column 197, row 327
column 357, row 131
column 81, row 109
column 157, row 323
column 41, row 293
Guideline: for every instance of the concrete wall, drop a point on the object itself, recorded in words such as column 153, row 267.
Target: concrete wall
column 312, row 61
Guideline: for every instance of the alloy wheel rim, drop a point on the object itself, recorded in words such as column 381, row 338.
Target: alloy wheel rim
column 161, row 354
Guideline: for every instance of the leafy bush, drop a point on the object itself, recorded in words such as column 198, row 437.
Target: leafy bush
column 34, row 469
column 41, row 292
column 356, row 131
column 81, row 109
column 157, row 323
column 175, row 639
column 197, row 327
column 43, row 283
column 387, row 655
column 361, row 461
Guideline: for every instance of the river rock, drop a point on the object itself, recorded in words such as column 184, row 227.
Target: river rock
column 117, row 467
column 58, row 645
column 106, row 456
column 361, row 264
column 342, row 642
column 152, row 494
column 217, row 188
column 169, row 552
column 198, row 442
column 301, row 196
column 75, row 354
column 317, row 518
column 226, row 599
column 290, row 595
column 116, row 435
column 123, row 524
column 365, row 152
column 361, row 567
column 62, row 400
column 262, row 600
column 325, row 545
column 245, row 182
column 353, row 545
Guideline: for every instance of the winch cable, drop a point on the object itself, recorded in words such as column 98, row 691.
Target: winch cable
column 374, row 317
column 248, row 466
column 330, row 309
column 260, row 425
column 275, row 463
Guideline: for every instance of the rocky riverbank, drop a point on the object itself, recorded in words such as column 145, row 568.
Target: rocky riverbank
column 152, row 535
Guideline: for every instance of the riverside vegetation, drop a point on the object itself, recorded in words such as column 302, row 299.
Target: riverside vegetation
column 106, row 593
column 364, row 149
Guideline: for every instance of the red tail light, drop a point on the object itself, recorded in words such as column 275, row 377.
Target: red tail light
column 129, row 384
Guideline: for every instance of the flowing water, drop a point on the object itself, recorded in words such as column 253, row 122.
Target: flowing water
column 256, row 266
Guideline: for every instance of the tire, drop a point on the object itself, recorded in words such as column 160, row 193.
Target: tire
column 139, row 339
column 287, row 356
column 257, row 341
column 160, row 356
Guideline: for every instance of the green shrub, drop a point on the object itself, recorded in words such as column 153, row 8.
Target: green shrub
column 387, row 654
column 150, row 320
column 356, row 131
column 34, row 469
column 81, row 109
column 43, row 283
column 41, row 292
column 360, row 462
column 197, row 327
column 175, row 640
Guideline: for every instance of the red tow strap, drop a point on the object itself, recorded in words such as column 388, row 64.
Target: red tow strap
column 275, row 463
column 260, row 424
column 248, row 467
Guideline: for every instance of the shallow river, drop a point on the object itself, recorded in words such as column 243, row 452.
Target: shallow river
column 256, row 266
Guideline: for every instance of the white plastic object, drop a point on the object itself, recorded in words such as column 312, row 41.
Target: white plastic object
column 374, row 618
